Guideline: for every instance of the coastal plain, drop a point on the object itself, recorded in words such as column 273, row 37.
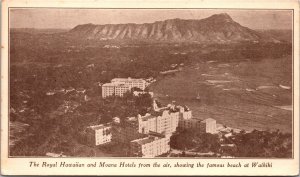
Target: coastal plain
column 247, row 94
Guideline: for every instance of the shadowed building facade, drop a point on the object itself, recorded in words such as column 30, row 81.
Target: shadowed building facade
column 204, row 126
column 99, row 134
column 154, row 145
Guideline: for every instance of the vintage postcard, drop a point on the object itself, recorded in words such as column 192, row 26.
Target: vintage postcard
column 149, row 88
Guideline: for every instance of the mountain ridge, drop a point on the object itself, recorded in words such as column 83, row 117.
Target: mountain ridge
column 218, row 28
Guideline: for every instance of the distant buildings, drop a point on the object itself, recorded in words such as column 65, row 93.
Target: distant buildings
column 119, row 86
column 65, row 91
column 59, row 90
column 50, row 93
column 69, row 89
column 137, row 93
column 109, row 46
column 80, row 90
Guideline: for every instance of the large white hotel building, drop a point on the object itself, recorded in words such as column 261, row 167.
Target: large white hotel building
column 149, row 135
column 119, row 86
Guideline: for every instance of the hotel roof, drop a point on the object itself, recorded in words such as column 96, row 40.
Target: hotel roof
column 114, row 85
column 127, row 79
column 208, row 120
column 195, row 119
column 97, row 127
column 109, row 84
column 143, row 141
column 200, row 120
column 147, row 117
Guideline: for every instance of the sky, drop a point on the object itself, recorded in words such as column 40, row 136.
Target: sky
column 69, row 18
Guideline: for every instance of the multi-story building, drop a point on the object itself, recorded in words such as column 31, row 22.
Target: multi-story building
column 99, row 134
column 190, row 124
column 153, row 145
column 204, row 126
column 131, row 82
column 120, row 89
column 163, row 121
column 108, row 89
column 147, row 136
column 113, row 89
column 209, row 126
column 184, row 113
column 119, row 86
column 127, row 131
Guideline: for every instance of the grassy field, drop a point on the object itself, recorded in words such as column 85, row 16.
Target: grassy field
column 245, row 94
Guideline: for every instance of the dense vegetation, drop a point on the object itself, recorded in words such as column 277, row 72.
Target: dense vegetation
column 70, row 57
column 253, row 144
column 200, row 142
column 57, row 132
column 263, row 144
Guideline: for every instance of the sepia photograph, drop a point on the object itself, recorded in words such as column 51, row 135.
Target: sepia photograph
column 137, row 87
column 151, row 83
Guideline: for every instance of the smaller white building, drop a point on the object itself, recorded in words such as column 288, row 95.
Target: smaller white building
column 209, row 126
